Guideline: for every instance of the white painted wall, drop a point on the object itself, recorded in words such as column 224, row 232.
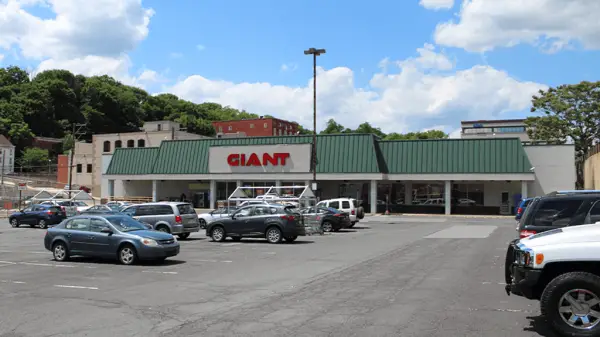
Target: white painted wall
column 554, row 168
column 132, row 188
column 7, row 159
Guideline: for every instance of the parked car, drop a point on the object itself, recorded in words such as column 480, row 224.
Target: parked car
column 560, row 269
column 178, row 218
column 100, row 209
column 211, row 216
column 254, row 202
column 347, row 205
column 71, row 207
column 113, row 236
column 118, row 205
column 40, row 215
column 551, row 212
column 271, row 221
column 521, row 208
column 330, row 219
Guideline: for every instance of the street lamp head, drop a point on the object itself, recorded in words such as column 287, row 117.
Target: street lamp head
column 314, row 51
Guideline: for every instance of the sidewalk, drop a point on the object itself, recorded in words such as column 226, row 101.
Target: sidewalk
column 446, row 216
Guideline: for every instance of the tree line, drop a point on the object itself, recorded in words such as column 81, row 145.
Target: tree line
column 49, row 103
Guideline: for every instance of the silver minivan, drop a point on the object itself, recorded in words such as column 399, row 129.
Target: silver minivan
column 177, row 218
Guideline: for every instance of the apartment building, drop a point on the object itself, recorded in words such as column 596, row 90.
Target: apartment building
column 258, row 127
column 494, row 129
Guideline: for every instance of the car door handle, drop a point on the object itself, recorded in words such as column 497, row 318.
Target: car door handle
column 91, row 237
column 69, row 235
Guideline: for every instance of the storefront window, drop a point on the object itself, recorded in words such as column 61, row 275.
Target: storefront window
column 392, row 194
column 428, row 194
column 292, row 191
column 468, row 194
column 224, row 189
column 254, row 192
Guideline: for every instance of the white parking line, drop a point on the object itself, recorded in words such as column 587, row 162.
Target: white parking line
column 10, row 263
column 12, row 251
column 214, row 261
column 159, row 272
column 75, row 287
column 13, row 282
column 230, row 244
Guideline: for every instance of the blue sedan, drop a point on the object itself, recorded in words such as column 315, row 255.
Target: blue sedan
column 109, row 236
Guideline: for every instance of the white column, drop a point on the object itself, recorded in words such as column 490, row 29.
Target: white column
column 154, row 191
column 213, row 193
column 238, row 184
column 111, row 189
column 277, row 184
column 524, row 186
column 448, row 196
column 408, row 193
column 373, row 196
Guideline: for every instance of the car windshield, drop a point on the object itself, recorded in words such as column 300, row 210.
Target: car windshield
column 126, row 224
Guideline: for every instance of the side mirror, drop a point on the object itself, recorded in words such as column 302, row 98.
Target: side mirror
column 106, row 230
column 233, row 216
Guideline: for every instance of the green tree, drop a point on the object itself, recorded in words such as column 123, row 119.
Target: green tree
column 429, row 134
column 34, row 158
column 366, row 127
column 568, row 112
column 332, row 127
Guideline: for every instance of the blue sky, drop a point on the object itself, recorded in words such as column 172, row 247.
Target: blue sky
column 249, row 54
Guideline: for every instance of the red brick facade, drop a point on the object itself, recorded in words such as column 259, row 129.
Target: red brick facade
column 257, row 127
column 62, row 172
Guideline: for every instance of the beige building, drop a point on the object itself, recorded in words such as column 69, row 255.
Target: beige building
column 494, row 129
column 7, row 156
column 152, row 134
column 83, row 165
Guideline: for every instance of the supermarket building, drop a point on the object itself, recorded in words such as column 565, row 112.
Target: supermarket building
column 446, row 176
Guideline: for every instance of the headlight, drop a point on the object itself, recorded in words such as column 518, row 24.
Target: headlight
column 149, row 242
column 174, row 238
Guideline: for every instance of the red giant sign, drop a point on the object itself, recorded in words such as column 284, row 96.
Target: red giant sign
column 241, row 159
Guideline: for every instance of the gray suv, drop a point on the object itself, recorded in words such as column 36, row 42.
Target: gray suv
column 177, row 218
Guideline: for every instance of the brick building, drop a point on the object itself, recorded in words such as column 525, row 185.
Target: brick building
column 258, row 127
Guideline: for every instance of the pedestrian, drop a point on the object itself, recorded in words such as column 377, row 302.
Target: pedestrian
column 182, row 197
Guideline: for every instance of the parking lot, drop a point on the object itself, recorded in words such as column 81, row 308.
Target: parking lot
column 388, row 276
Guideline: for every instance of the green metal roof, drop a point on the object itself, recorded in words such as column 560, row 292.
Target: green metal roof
column 344, row 153
column 133, row 160
column 493, row 155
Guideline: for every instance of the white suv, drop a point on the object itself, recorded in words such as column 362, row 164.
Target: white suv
column 347, row 205
column 560, row 268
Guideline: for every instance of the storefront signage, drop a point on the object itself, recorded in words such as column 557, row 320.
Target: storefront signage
column 276, row 158
column 240, row 159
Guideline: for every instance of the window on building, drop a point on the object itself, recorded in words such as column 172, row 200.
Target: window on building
column 477, row 130
column 130, row 143
column 266, row 125
column 280, row 132
column 159, row 127
column 510, row 129
column 220, row 129
column 118, row 144
column 251, row 126
column 106, row 147
column 141, row 143
column 467, row 194
column 79, row 168
column 89, row 168
column 230, row 128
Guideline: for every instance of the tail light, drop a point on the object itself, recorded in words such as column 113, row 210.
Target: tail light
column 178, row 219
column 353, row 212
column 288, row 217
column 525, row 233
column 50, row 213
column 339, row 214
column 520, row 210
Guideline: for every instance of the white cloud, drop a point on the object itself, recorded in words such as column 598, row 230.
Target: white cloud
column 289, row 67
column 1, row 57
column 101, row 27
column 200, row 47
column 176, row 55
column 396, row 102
column 437, row 4
column 550, row 24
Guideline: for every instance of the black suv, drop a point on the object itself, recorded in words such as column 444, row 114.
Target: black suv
column 556, row 211
column 271, row 221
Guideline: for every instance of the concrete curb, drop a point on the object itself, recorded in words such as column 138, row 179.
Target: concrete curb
column 449, row 216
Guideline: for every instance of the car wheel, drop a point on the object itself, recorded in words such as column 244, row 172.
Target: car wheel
column 42, row 224
column 327, row 226
column 571, row 304
column 184, row 236
column 273, row 235
column 291, row 238
column 360, row 213
column 127, row 255
column 60, row 252
column 14, row 222
column 163, row 229
column 236, row 238
column 218, row 234
column 202, row 223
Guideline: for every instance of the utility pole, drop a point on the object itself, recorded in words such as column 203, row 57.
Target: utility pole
column 314, row 52
column 76, row 133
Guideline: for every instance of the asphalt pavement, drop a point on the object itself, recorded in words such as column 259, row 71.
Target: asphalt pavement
column 389, row 276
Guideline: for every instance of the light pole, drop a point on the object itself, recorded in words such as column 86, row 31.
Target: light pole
column 314, row 52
